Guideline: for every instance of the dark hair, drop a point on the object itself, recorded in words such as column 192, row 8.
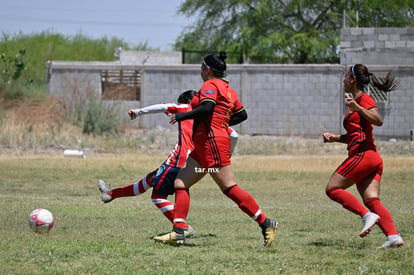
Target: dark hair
column 217, row 63
column 363, row 77
column 185, row 96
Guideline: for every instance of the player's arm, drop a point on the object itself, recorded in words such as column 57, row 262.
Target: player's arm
column 238, row 117
column 234, row 137
column 328, row 137
column 153, row 109
column 371, row 114
column 205, row 109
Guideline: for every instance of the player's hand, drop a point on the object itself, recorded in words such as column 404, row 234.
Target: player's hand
column 173, row 120
column 132, row 114
column 328, row 137
column 353, row 105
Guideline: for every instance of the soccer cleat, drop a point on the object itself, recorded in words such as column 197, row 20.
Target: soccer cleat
column 105, row 190
column 268, row 230
column 189, row 232
column 171, row 238
column 368, row 222
column 392, row 241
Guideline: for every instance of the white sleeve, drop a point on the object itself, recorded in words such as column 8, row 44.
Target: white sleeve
column 152, row 109
column 234, row 136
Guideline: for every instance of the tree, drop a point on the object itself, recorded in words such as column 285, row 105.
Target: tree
column 283, row 31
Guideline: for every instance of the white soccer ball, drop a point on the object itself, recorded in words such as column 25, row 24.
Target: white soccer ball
column 41, row 220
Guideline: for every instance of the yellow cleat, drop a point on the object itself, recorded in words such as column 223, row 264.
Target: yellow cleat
column 171, row 238
column 269, row 233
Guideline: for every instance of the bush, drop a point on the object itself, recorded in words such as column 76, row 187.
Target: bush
column 12, row 84
column 100, row 119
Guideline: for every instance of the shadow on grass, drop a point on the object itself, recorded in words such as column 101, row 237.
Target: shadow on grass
column 338, row 243
column 186, row 243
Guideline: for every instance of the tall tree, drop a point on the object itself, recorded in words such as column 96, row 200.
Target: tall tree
column 284, row 31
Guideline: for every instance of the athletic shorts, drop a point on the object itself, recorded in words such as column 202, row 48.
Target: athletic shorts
column 163, row 181
column 214, row 152
column 362, row 166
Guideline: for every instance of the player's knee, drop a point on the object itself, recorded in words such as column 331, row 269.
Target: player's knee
column 331, row 193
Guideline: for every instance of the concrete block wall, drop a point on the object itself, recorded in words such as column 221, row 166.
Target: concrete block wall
column 297, row 100
column 279, row 99
column 377, row 46
column 148, row 57
column 71, row 79
column 292, row 100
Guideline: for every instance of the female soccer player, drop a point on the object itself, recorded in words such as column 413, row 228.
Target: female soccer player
column 215, row 107
column 364, row 164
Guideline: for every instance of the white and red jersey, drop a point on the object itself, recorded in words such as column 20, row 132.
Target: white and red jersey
column 184, row 146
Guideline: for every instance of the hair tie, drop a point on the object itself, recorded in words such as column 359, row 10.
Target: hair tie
column 352, row 70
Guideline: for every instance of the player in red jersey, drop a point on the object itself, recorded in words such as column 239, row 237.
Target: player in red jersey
column 215, row 107
column 364, row 164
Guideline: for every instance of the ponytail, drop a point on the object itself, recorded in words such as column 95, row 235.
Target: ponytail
column 363, row 77
column 387, row 84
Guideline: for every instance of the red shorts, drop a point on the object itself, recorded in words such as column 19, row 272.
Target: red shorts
column 362, row 166
column 213, row 152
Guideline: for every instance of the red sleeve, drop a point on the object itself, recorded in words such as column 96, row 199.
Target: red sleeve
column 367, row 102
column 178, row 108
column 238, row 107
column 208, row 92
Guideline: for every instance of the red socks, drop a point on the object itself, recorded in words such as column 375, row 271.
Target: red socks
column 181, row 207
column 385, row 223
column 246, row 203
column 347, row 200
column 134, row 189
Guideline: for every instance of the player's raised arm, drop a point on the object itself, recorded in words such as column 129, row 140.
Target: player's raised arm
column 154, row 109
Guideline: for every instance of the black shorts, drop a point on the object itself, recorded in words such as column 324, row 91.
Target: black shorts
column 163, row 181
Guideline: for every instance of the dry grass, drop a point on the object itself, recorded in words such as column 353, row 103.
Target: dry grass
column 315, row 236
column 42, row 113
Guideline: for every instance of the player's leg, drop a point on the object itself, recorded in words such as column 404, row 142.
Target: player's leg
column 163, row 185
column 335, row 190
column 189, row 174
column 224, row 177
column 369, row 190
column 137, row 188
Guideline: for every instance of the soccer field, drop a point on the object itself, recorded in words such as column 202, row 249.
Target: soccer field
column 315, row 235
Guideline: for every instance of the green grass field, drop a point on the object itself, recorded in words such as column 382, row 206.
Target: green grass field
column 315, row 235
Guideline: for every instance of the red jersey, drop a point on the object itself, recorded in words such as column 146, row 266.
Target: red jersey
column 226, row 103
column 184, row 146
column 359, row 135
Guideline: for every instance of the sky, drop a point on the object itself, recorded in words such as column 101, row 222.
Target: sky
column 135, row 21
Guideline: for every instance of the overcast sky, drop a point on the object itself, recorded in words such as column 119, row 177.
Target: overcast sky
column 135, row 21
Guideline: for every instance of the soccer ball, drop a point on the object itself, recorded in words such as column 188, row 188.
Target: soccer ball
column 41, row 220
